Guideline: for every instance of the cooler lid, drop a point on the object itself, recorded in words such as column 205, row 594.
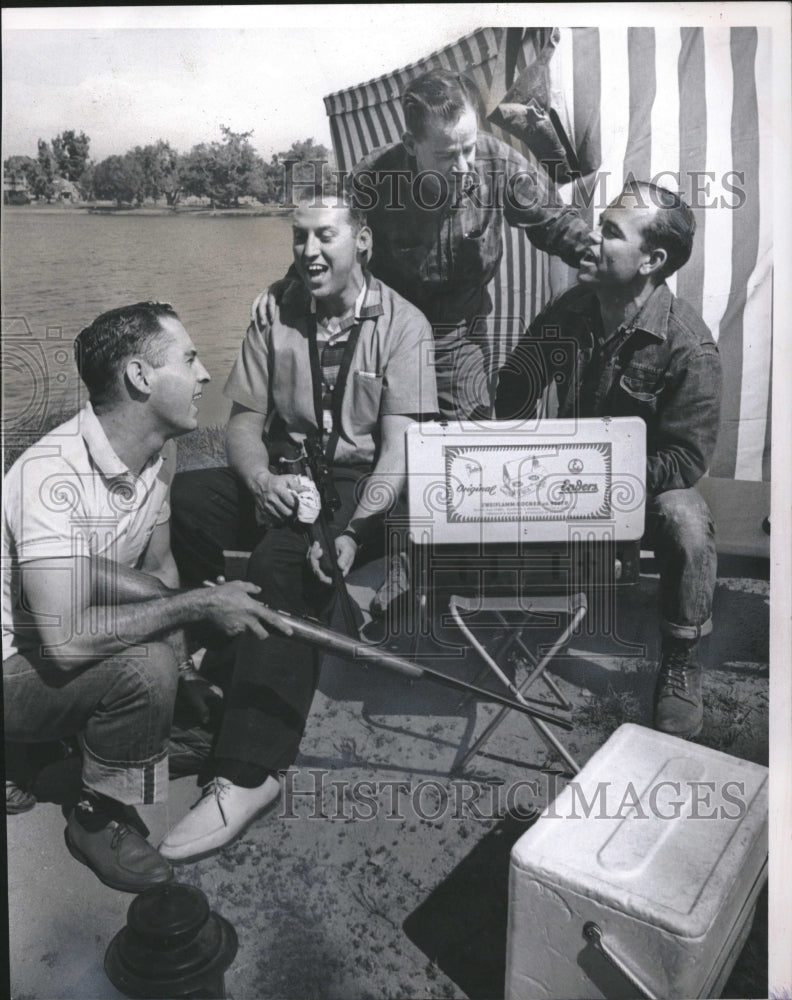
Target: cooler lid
column 654, row 826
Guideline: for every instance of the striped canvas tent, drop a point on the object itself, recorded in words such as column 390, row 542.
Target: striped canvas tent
column 690, row 108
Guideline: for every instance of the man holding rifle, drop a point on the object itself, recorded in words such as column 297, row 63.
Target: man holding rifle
column 93, row 620
column 336, row 365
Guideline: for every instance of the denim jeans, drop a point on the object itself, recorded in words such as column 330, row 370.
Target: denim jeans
column 680, row 529
column 121, row 708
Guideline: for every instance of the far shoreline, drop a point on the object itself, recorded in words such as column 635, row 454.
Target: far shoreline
column 201, row 211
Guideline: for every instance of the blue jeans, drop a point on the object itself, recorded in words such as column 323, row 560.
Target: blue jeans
column 121, row 708
column 680, row 529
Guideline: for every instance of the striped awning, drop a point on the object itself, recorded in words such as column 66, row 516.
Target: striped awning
column 687, row 107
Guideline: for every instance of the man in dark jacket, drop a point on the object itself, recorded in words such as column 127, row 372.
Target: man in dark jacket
column 640, row 351
column 435, row 203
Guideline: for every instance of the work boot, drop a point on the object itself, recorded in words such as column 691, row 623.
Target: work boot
column 678, row 705
column 395, row 586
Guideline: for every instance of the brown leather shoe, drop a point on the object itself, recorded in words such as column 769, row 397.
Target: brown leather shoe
column 118, row 855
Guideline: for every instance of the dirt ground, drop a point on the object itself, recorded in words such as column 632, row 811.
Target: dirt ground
column 379, row 875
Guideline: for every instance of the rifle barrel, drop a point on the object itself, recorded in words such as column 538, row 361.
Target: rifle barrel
column 335, row 642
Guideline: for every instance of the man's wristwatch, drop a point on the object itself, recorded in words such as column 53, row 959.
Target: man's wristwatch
column 351, row 533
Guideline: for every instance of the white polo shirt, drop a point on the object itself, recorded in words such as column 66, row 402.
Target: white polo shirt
column 70, row 495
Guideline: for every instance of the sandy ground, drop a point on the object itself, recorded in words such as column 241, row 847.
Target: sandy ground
column 402, row 890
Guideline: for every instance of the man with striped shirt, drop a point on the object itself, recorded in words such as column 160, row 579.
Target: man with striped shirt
column 333, row 354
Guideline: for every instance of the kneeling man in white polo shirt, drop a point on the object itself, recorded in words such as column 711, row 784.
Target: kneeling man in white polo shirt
column 93, row 640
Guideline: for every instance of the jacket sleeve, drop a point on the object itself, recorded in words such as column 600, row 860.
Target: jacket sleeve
column 532, row 203
column 530, row 367
column 688, row 418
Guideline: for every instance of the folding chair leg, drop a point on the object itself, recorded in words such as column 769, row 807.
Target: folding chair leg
column 550, row 740
column 482, row 652
column 538, row 672
column 540, row 726
column 537, row 669
column 500, row 652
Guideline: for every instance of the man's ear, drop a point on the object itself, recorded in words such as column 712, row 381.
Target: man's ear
column 655, row 262
column 365, row 242
column 138, row 375
column 409, row 142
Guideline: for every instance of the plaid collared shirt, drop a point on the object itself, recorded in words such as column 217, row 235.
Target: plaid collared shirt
column 442, row 260
column 391, row 371
column 332, row 336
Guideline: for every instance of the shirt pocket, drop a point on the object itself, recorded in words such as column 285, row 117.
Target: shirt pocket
column 638, row 391
column 367, row 390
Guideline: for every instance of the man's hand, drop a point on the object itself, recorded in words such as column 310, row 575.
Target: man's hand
column 346, row 550
column 232, row 608
column 275, row 496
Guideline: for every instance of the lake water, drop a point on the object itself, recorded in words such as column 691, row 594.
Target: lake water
column 61, row 268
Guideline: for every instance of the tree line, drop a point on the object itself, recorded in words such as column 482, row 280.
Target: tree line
column 223, row 171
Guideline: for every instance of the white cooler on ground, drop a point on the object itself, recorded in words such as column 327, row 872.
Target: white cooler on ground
column 662, row 874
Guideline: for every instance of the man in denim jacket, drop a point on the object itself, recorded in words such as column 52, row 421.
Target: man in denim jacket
column 435, row 203
column 640, row 351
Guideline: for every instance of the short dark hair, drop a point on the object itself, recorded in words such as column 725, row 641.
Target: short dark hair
column 672, row 229
column 318, row 196
column 103, row 348
column 437, row 93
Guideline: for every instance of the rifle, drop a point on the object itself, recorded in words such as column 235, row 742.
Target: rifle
column 351, row 649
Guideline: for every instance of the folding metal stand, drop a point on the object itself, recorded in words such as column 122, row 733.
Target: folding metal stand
column 494, row 583
column 573, row 606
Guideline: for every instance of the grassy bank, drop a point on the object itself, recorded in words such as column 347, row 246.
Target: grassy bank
column 200, row 449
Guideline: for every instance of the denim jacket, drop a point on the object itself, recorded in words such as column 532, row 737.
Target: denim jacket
column 663, row 366
column 441, row 259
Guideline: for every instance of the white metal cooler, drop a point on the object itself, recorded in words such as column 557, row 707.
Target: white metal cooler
column 641, row 877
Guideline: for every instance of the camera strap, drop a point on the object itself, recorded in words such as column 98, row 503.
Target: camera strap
column 340, row 385
column 319, row 530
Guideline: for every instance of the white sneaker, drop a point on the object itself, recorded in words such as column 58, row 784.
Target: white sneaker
column 223, row 813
